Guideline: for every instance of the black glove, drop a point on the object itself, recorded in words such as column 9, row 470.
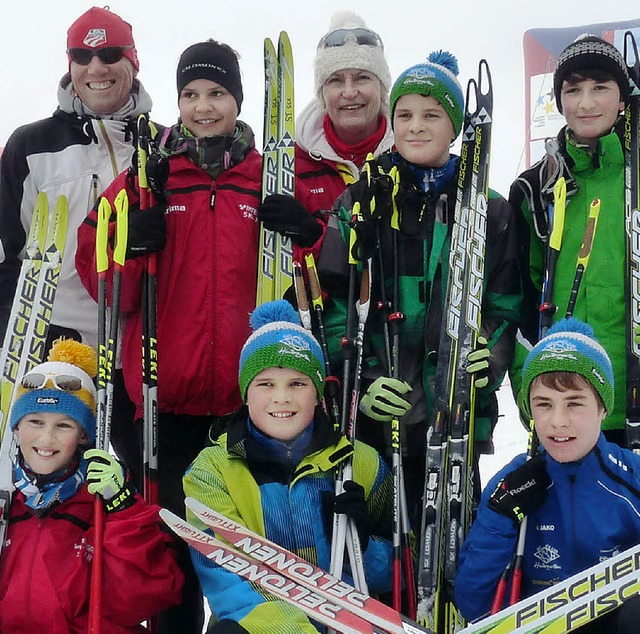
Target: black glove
column 226, row 626
column 354, row 506
column 522, row 490
column 284, row 214
column 147, row 231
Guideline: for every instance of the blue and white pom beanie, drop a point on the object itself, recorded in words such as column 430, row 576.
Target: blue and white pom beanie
column 437, row 78
column 569, row 346
column 279, row 341
column 67, row 358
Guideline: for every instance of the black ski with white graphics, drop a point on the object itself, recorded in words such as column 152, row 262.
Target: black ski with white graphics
column 632, row 231
column 447, row 501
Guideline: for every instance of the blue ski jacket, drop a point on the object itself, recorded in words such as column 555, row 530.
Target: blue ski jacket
column 592, row 512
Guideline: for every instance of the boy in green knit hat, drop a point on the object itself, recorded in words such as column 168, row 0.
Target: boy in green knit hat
column 412, row 258
column 581, row 493
column 274, row 469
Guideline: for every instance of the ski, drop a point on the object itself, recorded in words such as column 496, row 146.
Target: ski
column 275, row 252
column 448, row 492
column 571, row 603
column 312, row 603
column 561, row 608
column 302, row 571
column 632, row 233
column 30, row 316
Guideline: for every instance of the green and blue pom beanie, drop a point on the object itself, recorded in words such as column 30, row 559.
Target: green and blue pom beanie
column 570, row 346
column 67, row 358
column 279, row 341
column 437, row 78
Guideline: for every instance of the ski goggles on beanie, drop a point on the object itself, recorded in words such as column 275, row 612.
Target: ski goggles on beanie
column 100, row 29
column 359, row 35
column 62, row 385
column 279, row 341
column 108, row 55
column 350, row 44
column 570, row 346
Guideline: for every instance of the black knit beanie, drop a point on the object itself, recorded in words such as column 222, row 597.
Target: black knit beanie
column 210, row 60
column 587, row 52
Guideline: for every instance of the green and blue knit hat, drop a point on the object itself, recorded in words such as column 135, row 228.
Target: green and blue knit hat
column 570, row 346
column 437, row 78
column 279, row 341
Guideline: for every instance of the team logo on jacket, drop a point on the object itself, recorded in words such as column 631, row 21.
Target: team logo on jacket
column 295, row 346
column 95, row 37
column 545, row 556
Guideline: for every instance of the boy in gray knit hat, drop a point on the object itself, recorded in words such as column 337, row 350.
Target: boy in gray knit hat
column 565, row 491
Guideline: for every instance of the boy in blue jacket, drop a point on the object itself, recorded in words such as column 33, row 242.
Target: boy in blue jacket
column 581, row 493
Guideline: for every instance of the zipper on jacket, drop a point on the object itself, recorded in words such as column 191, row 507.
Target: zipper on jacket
column 112, row 155
column 94, row 194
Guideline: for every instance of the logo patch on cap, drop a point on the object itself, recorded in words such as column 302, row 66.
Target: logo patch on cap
column 47, row 400
column 95, row 37
column 296, row 346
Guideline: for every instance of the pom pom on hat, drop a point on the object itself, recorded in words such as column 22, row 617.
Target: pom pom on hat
column 570, row 346
column 588, row 52
column 280, row 341
column 100, row 28
column 437, row 78
column 67, row 360
column 344, row 46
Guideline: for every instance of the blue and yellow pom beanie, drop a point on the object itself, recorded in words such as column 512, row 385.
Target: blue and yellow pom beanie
column 437, row 78
column 570, row 346
column 280, row 341
column 70, row 358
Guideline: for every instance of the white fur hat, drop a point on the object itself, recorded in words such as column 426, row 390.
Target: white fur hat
column 350, row 44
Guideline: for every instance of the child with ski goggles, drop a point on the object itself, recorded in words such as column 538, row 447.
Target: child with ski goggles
column 580, row 493
column 50, row 531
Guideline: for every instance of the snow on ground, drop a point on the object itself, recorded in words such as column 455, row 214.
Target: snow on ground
column 509, row 436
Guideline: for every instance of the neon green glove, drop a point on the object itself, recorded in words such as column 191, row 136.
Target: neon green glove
column 106, row 476
column 478, row 363
column 383, row 400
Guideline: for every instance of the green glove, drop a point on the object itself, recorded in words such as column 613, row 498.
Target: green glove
column 478, row 363
column 636, row 334
column 383, row 400
column 106, row 476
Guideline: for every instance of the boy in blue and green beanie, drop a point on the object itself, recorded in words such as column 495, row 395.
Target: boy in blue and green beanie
column 274, row 470
column 580, row 493
column 412, row 247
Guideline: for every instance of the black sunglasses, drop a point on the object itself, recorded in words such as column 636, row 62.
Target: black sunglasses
column 107, row 55
column 360, row 35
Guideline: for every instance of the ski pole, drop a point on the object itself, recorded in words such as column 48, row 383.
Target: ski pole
column 149, row 331
column 581, row 266
column 122, row 208
column 547, row 307
column 348, row 427
column 332, row 385
column 301, row 296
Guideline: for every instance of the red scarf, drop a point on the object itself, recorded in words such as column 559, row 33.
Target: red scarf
column 356, row 152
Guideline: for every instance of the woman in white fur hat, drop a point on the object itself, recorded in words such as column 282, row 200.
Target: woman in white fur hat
column 347, row 119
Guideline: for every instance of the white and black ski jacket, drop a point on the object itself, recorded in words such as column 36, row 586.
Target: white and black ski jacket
column 66, row 154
